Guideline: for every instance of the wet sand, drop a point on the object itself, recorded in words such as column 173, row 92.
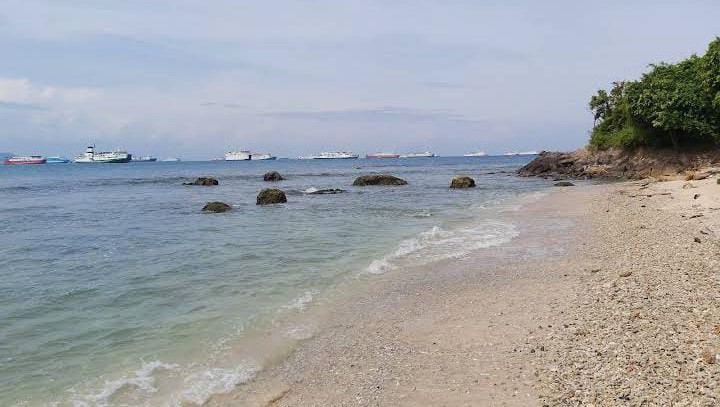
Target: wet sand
column 551, row 318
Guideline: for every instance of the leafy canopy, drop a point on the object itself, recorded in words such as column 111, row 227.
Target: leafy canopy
column 672, row 104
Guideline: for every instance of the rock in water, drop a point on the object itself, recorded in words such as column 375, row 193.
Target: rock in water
column 204, row 181
column 366, row 180
column 564, row 184
column 273, row 176
column 331, row 191
column 216, row 207
column 462, row 182
column 271, row 196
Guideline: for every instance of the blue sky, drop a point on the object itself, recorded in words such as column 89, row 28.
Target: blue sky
column 194, row 78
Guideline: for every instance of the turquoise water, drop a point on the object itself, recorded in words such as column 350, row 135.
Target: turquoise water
column 116, row 290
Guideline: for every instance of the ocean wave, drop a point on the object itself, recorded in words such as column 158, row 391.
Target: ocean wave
column 301, row 302
column 202, row 384
column 140, row 384
column 438, row 244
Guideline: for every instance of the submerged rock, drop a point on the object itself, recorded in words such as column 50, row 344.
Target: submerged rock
column 273, row 176
column 204, row 181
column 331, row 191
column 462, row 182
column 564, row 184
column 271, row 196
column 216, row 207
column 379, row 179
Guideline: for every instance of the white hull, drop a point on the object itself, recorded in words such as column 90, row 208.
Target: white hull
column 342, row 155
column 107, row 157
column 237, row 156
column 426, row 154
column 476, row 154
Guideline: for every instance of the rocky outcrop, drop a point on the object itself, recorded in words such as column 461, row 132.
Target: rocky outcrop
column 620, row 164
column 271, row 196
column 204, row 181
column 378, row 179
column 462, row 182
column 564, row 184
column 216, row 207
column 273, row 176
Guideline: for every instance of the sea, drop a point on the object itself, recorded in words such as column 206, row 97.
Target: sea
column 117, row 290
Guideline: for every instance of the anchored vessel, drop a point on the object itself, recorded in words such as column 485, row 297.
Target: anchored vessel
column 24, row 160
column 382, row 155
column 57, row 160
column 145, row 159
column 476, row 154
column 424, row 154
column 239, row 155
column 334, row 155
column 262, row 156
column 90, row 156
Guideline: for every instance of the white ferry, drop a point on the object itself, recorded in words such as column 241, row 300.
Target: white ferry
column 424, row 154
column 145, row 159
column 476, row 154
column 239, row 155
column 90, row 156
column 334, row 155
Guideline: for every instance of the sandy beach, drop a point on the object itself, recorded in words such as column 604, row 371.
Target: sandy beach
column 609, row 296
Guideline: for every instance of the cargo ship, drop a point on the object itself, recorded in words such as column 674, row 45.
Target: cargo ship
column 25, row 160
column 424, row 154
column 383, row 155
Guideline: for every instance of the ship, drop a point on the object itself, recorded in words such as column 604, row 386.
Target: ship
column 57, row 160
column 171, row 160
column 104, row 157
column 475, row 154
column 262, row 156
column 25, row 160
column 145, row 159
column 239, row 155
column 424, row 154
column 382, row 155
column 334, row 155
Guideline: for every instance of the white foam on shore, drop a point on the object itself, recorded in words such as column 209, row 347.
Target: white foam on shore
column 438, row 244
column 301, row 302
column 141, row 383
column 202, row 384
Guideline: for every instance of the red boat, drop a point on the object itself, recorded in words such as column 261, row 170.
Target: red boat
column 33, row 159
column 383, row 155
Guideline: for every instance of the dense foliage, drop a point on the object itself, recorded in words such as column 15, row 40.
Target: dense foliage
column 672, row 104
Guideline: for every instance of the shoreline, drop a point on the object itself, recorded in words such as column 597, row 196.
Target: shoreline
column 391, row 341
column 551, row 318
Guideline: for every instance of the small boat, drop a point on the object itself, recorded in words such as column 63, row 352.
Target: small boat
column 57, row 160
column 171, row 160
column 334, row 155
column 475, row 154
column 25, row 160
column 383, row 155
column 145, row 159
column 105, row 157
column 424, row 154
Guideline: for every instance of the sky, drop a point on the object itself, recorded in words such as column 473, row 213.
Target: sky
column 196, row 78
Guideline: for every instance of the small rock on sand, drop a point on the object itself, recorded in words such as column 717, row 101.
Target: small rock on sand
column 626, row 274
column 564, row 184
column 697, row 240
column 709, row 357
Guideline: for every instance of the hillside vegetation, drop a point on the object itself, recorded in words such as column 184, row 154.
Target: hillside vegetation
column 671, row 105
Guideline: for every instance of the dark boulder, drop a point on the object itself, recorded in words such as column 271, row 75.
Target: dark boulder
column 273, row 176
column 462, row 182
column 271, row 196
column 366, row 180
column 564, row 184
column 216, row 207
column 204, row 181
